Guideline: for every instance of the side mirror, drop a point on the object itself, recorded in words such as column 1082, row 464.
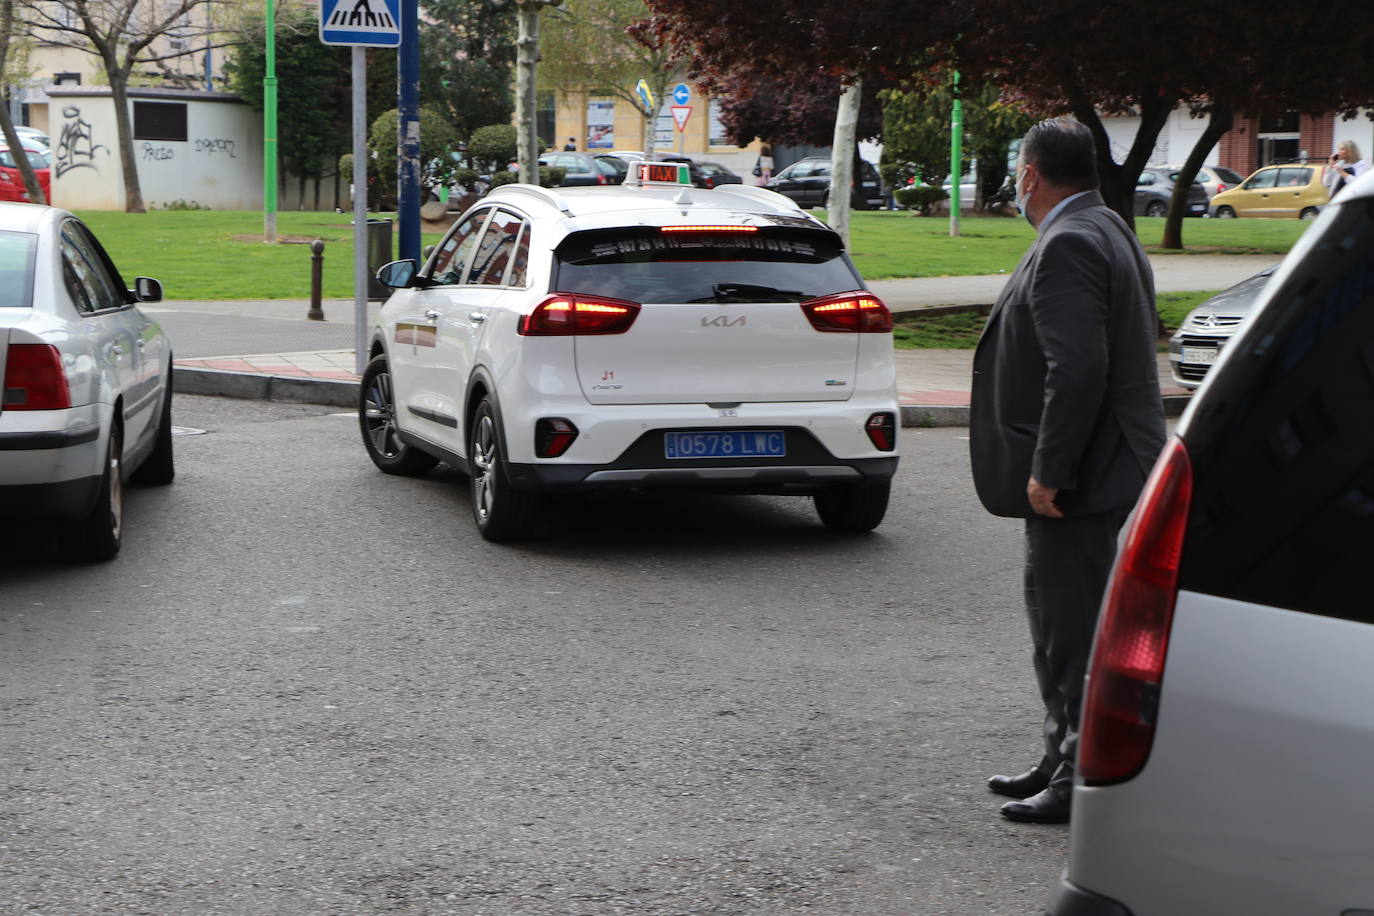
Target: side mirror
column 398, row 274
column 146, row 289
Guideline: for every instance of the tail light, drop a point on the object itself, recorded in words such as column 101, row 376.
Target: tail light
column 1127, row 668
column 600, row 179
column 1220, row 187
column 553, row 436
column 882, row 431
column 34, row 379
column 863, row 313
column 569, row 314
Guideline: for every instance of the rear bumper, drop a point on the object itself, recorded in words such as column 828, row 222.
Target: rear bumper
column 752, row 478
column 1068, row 899
column 61, row 499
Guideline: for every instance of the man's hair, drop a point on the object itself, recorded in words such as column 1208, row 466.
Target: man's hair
column 1063, row 152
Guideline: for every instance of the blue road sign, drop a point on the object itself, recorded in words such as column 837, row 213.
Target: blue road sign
column 375, row 23
column 681, row 94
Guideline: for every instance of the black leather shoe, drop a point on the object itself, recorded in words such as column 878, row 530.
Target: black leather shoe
column 1050, row 806
column 1023, row 786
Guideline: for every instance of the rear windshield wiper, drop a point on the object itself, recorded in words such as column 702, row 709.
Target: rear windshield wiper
column 748, row 292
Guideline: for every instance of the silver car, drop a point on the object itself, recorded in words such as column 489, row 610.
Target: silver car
column 1197, row 343
column 1227, row 725
column 87, row 381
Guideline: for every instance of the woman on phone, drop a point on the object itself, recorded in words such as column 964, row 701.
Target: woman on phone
column 1345, row 166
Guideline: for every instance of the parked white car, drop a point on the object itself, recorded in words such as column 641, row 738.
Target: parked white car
column 650, row 335
column 87, row 381
column 1224, row 759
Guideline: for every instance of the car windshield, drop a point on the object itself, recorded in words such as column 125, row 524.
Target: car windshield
column 16, row 269
column 648, row 265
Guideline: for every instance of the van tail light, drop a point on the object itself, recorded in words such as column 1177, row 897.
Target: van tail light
column 34, row 378
column 553, row 436
column 1127, row 668
column 860, row 312
column 564, row 314
column 882, row 431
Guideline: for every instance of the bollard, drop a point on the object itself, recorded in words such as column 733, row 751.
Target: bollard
column 316, row 312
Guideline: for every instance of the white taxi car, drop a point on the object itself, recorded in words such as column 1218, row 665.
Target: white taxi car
column 87, row 381
column 652, row 335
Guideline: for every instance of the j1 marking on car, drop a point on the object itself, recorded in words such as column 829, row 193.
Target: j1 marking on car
column 753, row 443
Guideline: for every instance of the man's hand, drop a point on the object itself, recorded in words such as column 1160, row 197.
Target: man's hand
column 1042, row 499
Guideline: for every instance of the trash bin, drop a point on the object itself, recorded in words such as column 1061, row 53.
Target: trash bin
column 379, row 252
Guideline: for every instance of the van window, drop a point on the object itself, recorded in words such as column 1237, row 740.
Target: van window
column 1282, row 447
column 646, row 265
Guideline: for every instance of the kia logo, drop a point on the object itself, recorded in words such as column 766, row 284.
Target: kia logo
column 723, row 321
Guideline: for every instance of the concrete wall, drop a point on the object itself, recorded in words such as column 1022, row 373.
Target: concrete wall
column 218, row 165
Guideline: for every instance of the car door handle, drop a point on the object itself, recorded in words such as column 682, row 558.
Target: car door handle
column 432, row 314
column 477, row 317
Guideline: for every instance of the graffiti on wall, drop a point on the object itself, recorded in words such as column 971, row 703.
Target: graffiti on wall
column 152, row 153
column 76, row 146
column 218, row 145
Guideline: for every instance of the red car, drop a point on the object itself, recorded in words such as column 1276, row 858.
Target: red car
column 12, row 185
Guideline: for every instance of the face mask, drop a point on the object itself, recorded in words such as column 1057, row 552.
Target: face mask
column 1021, row 202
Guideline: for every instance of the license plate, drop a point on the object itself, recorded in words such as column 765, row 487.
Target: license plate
column 1204, row 355
column 730, row 443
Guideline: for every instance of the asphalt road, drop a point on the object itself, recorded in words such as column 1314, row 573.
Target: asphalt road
column 308, row 688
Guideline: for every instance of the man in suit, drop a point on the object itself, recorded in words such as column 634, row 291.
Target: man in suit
column 1066, row 421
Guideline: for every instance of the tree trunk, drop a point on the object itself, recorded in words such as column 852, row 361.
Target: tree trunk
column 1218, row 123
column 526, row 61
column 1118, row 181
column 21, row 160
column 842, row 158
column 124, row 129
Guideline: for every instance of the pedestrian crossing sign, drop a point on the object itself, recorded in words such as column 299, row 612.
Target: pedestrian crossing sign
column 374, row 23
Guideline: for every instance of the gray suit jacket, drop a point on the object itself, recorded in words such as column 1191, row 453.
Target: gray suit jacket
column 1065, row 384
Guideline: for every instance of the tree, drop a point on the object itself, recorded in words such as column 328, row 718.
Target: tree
column 916, row 132
column 120, row 34
column 438, row 140
column 21, row 161
column 313, row 107
column 527, row 56
column 798, row 108
column 588, row 46
column 467, row 62
column 492, row 147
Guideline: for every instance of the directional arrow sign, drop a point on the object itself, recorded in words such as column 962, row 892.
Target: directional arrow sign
column 681, row 94
column 680, row 115
column 375, row 23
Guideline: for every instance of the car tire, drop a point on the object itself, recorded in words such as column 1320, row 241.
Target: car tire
column 1156, row 208
column 853, row 508
column 501, row 512
column 1308, row 213
column 1225, row 213
column 377, row 423
column 159, row 468
column 97, row 536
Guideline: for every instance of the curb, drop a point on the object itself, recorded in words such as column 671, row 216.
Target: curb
column 227, row 384
column 929, row 416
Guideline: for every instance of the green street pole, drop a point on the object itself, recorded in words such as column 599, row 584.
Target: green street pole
column 956, row 155
column 269, row 131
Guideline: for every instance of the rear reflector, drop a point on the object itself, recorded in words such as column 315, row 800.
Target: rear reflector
column 34, row 379
column 882, row 431
column 553, row 436
column 570, row 314
column 859, row 312
column 1127, row 668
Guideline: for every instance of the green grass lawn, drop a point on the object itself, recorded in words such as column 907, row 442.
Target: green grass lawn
column 960, row 331
column 219, row 254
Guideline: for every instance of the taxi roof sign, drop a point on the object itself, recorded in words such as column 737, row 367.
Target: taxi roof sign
column 660, row 173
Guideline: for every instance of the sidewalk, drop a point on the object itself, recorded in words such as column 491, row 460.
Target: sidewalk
column 268, row 349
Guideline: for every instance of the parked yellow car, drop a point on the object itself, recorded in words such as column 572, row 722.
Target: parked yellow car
column 1275, row 191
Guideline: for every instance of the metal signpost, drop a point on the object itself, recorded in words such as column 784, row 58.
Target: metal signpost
column 360, row 24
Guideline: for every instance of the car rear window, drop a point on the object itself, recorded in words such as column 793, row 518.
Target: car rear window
column 646, row 264
column 1228, row 176
column 1282, row 444
column 16, row 269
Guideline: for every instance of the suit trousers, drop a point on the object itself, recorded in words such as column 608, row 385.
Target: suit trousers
column 1068, row 561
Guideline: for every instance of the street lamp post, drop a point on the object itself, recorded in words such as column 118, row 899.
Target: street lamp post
column 269, row 131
